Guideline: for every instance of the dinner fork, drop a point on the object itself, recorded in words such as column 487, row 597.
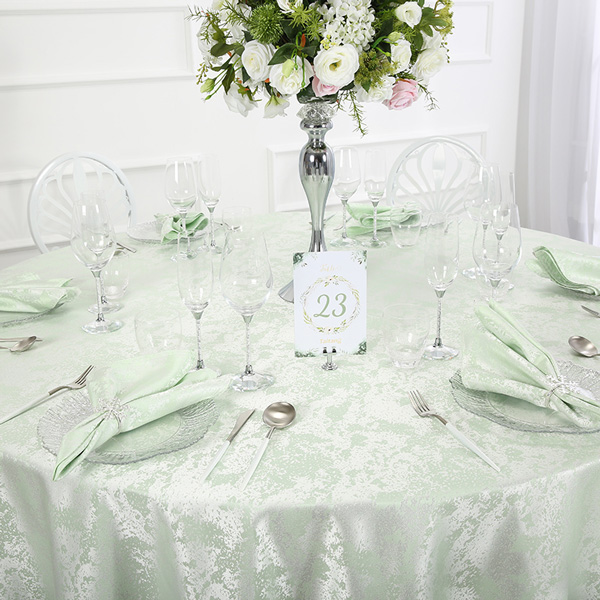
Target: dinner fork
column 418, row 403
column 77, row 384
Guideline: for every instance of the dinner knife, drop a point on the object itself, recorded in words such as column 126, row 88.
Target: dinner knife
column 592, row 312
column 241, row 421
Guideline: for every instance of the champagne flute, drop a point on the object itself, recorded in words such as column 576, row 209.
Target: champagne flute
column 246, row 283
column 180, row 188
column 195, row 281
column 441, row 266
column 93, row 243
column 497, row 257
column 375, row 182
column 209, row 181
column 477, row 204
column 345, row 184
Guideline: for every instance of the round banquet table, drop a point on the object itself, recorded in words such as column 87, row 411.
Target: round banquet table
column 359, row 498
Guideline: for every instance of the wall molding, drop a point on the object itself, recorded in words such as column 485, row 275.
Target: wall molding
column 485, row 55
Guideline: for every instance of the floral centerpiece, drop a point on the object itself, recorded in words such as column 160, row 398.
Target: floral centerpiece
column 343, row 51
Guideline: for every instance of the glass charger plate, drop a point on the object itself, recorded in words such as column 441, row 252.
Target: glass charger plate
column 524, row 416
column 148, row 232
column 173, row 432
column 14, row 318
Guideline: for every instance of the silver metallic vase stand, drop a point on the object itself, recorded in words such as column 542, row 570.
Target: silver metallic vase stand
column 317, row 169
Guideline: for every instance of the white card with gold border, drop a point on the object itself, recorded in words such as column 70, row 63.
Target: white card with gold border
column 330, row 302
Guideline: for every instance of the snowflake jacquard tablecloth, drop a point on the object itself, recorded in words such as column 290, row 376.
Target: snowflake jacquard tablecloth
column 358, row 499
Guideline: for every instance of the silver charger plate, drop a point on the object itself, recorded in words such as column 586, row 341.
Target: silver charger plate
column 524, row 416
column 172, row 432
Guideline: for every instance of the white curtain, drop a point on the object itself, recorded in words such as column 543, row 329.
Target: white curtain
column 558, row 158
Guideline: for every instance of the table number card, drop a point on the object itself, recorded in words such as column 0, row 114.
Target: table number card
column 330, row 302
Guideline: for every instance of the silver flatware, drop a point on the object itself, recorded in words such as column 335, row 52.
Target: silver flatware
column 591, row 311
column 418, row 403
column 121, row 246
column 583, row 346
column 240, row 422
column 21, row 345
column 77, row 384
column 277, row 416
column 18, row 339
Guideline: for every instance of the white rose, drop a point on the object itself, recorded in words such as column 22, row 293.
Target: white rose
column 432, row 41
column 409, row 13
column 377, row 93
column 276, row 106
column 337, row 65
column 287, row 6
column 255, row 58
column 289, row 77
column 401, row 54
column 237, row 102
column 430, row 62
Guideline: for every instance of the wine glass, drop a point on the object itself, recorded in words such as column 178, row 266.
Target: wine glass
column 345, row 184
column 477, row 203
column 441, row 266
column 375, row 181
column 180, row 187
column 246, row 283
column 195, row 281
column 497, row 256
column 209, row 181
column 93, row 243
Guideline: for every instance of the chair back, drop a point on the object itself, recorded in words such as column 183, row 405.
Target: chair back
column 437, row 173
column 63, row 180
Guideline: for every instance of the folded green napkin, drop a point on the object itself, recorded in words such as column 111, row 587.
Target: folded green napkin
column 363, row 213
column 132, row 393
column 30, row 294
column 172, row 225
column 570, row 270
column 501, row 356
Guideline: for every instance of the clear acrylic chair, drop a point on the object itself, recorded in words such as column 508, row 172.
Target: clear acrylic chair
column 436, row 173
column 64, row 179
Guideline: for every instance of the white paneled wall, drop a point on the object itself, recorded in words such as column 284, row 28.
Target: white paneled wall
column 116, row 77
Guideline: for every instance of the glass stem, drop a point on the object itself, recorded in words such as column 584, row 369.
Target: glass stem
column 200, row 362
column 103, row 299
column 249, row 370
column 438, row 337
column 375, row 221
column 96, row 273
column 212, row 226
column 494, row 283
column 344, row 208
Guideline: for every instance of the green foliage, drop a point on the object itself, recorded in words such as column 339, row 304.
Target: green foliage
column 374, row 66
column 348, row 103
column 307, row 20
column 266, row 23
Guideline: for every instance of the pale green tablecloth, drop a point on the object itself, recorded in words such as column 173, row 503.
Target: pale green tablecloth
column 358, row 499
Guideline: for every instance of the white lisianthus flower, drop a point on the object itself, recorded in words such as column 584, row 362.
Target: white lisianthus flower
column 377, row 93
column 337, row 65
column 430, row 62
column 401, row 55
column 432, row 41
column 255, row 58
column 287, row 6
column 290, row 77
column 409, row 13
column 205, row 43
column 275, row 107
column 237, row 102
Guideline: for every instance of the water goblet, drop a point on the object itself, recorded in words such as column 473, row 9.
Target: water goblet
column 93, row 244
column 497, row 257
column 405, row 223
column 246, row 283
column 157, row 330
column 345, row 184
column 236, row 218
column 375, row 182
column 195, row 281
column 180, row 188
column 209, row 181
column 441, row 266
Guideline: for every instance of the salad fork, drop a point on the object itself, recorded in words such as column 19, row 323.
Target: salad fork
column 77, row 384
column 418, row 403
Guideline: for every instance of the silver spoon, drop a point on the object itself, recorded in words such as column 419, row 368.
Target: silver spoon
column 18, row 339
column 22, row 345
column 583, row 346
column 277, row 416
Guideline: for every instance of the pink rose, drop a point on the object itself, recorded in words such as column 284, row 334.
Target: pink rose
column 320, row 89
column 404, row 93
